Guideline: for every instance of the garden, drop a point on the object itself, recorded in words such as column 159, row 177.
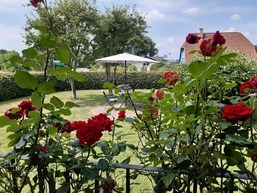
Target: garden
column 196, row 132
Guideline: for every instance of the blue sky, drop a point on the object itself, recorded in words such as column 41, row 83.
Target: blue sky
column 169, row 20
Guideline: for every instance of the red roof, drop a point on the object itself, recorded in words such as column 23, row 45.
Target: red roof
column 235, row 41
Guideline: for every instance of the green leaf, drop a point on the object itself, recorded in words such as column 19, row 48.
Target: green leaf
column 66, row 112
column 179, row 88
column 41, row 28
column 25, row 80
column 89, row 173
column 70, row 104
column 250, row 190
column 47, row 87
column 15, row 59
column 48, row 106
column 62, row 73
column 103, row 165
column 169, row 179
column 238, row 140
column 36, row 100
column 126, row 161
column 35, row 115
column 14, row 139
column 56, row 102
column 77, row 76
column 108, row 85
column 196, row 68
column 4, row 121
column 63, row 189
column 52, row 130
column 48, row 43
column 63, row 53
column 13, row 128
column 30, row 53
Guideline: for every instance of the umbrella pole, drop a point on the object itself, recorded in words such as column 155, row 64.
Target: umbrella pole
column 125, row 72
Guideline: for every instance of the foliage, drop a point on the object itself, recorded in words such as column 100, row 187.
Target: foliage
column 201, row 128
column 122, row 29
column 5, row 63
column 45, row 155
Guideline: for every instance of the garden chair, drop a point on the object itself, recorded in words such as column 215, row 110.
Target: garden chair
column 111, row 100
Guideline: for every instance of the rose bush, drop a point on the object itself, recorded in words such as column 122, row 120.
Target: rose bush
column 49, row 152
column 201, row 135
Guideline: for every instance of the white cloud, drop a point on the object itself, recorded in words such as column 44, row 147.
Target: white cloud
column 191, row 11
column 231, row 29
column 154, row 15
column 171, row 39
column 235, row 17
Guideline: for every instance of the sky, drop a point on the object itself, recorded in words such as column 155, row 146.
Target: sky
column 169, row 21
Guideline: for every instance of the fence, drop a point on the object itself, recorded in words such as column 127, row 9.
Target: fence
column 129, row 167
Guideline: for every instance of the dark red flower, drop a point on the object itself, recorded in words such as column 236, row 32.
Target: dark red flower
column 108, row 186
column 245, row 85
column 101, row 122
column 237, row 112
column 170, row 77
column 192, row 38
column 17, row 115
column 86, row 133
column 122, row 114
column 43, row 149
column 34, row 2
column 27, row 105
column 253, row 81
column 218, row 39
column 160, row 94
column 206, row 47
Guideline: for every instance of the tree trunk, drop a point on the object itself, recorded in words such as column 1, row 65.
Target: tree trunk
column 73, row 87
column 108, row 76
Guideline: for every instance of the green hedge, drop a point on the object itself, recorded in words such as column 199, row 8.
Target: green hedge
column 94, row 80
column 239, row 70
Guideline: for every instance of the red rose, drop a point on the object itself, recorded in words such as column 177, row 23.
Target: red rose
column 17, row 115
column 218, row 39
column 254, row 81
column 102, row 122
column 86, row 133
column 108, row 186
column 43, row 149
column 170, row 77
column 206, row 47
column 244, row 86
column 192, row 38
column 34, row 2
column 160, row 94
column 236, row 112
column 122, row 114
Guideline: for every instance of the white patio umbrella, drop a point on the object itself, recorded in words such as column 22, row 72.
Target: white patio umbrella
column 125, row 58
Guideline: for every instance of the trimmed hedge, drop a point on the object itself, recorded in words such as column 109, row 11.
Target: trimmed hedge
column 94, row 80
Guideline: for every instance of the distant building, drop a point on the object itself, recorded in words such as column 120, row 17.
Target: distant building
column 235, row 41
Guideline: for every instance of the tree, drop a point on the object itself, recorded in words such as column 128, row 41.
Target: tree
column 6, row 64
column 121, row 29
column 72, row 22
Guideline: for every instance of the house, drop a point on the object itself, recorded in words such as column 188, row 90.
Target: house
column 235, row 41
